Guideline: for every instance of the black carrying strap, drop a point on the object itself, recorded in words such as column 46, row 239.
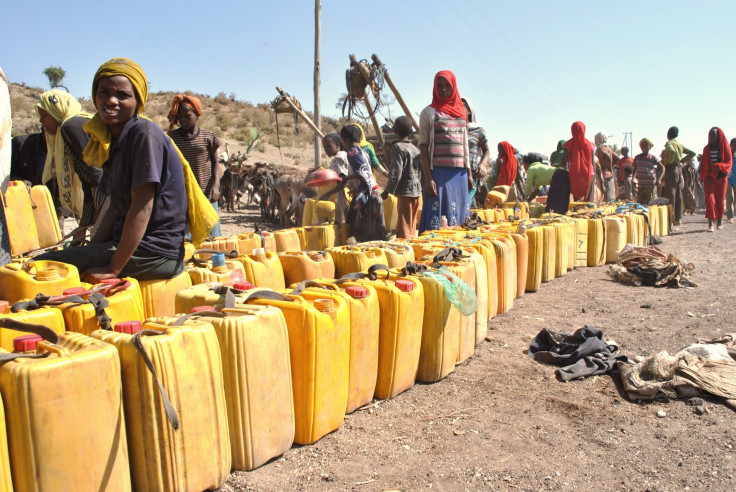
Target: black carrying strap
column 198, row 314
column 43, row 331
column 447, row 254
column 307, row 283
column 98, row 300
column 267, row 294
column 372, row 274
column 203, row 263
column 412, row 268
column 168, row 407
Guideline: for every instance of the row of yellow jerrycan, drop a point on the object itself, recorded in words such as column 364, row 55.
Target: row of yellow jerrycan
column 31, row 218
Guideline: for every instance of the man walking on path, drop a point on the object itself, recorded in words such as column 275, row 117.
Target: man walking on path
column 674, row 154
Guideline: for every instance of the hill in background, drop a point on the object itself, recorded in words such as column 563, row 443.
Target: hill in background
column 231, row 119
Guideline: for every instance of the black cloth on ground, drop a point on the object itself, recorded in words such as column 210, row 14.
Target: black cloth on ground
column 584, row 353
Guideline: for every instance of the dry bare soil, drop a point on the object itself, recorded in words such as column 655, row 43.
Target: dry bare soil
column 502, row 421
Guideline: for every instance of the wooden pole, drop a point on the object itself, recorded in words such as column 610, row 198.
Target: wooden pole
column 301, row 113
column 317, row 62
column 393, row 88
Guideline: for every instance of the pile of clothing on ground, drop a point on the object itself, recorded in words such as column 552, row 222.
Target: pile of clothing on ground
column 705, row 367
column 649, row 265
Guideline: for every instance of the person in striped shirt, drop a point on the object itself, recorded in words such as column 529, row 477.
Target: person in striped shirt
column 647, row 171
column 198, row 146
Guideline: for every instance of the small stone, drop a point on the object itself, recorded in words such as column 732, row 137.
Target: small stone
column 646, row 306
column 695, row 402
column 458, row 432
column 701, row 410
column 692, row 315
column 582, row 310
column 661, row 414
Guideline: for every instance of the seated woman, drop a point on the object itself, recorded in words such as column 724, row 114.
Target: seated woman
column 73, row 184
column 141, row 233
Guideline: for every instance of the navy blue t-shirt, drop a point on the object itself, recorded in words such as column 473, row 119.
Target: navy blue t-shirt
column 145, row 154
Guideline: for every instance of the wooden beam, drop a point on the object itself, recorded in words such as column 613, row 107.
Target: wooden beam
column 393, row 88
column 301, row 113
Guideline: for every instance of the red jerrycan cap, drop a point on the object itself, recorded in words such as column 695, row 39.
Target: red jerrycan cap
column 199, row 309
column 357, row 292
column 26, row 343
column 110, row 281
column 4, row 307
column 244, row 285
column 405, row 285
column 128, row 327
column 73, row 291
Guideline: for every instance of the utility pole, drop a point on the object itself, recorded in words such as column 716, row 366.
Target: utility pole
column 317, row 116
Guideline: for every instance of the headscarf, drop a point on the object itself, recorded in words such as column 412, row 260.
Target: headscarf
column 646, row 140
column 708, row 168
column 362, row 142
column 556, row 158
column 453, row 105
column 579, row 160
column 98, row 148
column 62, row 106
column 472, row 118
column 600, row 139
column 201, row 216
column 507, row 173
column 192, row 101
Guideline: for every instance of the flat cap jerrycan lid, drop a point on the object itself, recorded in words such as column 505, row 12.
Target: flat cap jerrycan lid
column 199, row 309
column 128, row 327
column 218, row 259
column 110, row 281
column 26, row 343
column 405, row 285
column 357, row 292
column 72, row 291
column 243, row 285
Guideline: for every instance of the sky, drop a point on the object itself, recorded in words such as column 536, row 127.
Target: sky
column 531, row 68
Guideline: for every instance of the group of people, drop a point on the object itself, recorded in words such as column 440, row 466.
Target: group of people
column 145, row 190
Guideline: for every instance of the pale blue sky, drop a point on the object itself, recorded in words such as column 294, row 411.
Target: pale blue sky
column 530, row 67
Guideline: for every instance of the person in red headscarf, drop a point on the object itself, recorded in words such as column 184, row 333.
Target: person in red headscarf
column 716, row 165
column 198, row 146
column 508, row 166
column 443, row 148
column 579, row 162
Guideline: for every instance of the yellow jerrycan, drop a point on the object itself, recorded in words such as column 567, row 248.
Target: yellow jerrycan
column 306, row 265
column 351, row 259
column 342, row 233
column 440, row 327
column 89, row 308
column 175, row 410
column 225, row 244
column 397, row 253
column 6, row 482
column 654, row 222
column 401, row 302
column 506, row 277
column 66, row 409
column 263, row 269
column 390, row 213
column 535, row 264
column 323, row 212
column 22, row 230
column 521, row 241
column 465, row 270
column 254, row 343
column 597, row 242
column 247, row 242
column 287, row 240
column 362, row 301
column 26, row 279
column 615, row 237
column 47, row 316
column 189, row 250
column 212, row 295
column 158, row 295
column 549, row 252
column 268, row 241
column 319, row 237
column 664, row 219
column 520, row 210
column 319, row 347
column 581, row 241
column 487, row 251
column 44, row 213
column 563, row 242
column 216, row 269
column 307, row 212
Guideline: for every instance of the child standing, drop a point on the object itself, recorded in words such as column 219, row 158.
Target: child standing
column 332, row 145
column 198, row 146
column 365, row 215
column 646, row 171
column 404, row 180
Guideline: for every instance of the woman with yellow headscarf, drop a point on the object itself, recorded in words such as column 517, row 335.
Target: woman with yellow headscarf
column 74, row 184
column 152, row 192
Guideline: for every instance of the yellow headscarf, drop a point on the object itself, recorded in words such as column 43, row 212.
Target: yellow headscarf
column 201, row 216
column 363, row 142
column 62, row 106
column 643, row 140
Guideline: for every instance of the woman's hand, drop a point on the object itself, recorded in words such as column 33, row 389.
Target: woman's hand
column 431, row 187
column 471, row 182
column 97, row 274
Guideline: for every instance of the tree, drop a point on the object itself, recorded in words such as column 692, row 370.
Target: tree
column 56, row 77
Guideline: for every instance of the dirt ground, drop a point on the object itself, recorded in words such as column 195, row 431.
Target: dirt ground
column 503, row 421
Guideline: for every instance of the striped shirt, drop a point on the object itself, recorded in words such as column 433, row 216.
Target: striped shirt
column 645, row 167
column 199, row 150
column 449, row 150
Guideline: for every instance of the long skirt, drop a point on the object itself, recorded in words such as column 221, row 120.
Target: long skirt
column 451, row 200
column 558, row 198
column 715, row 196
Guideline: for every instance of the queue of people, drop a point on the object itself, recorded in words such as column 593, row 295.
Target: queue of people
column 145, row 191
